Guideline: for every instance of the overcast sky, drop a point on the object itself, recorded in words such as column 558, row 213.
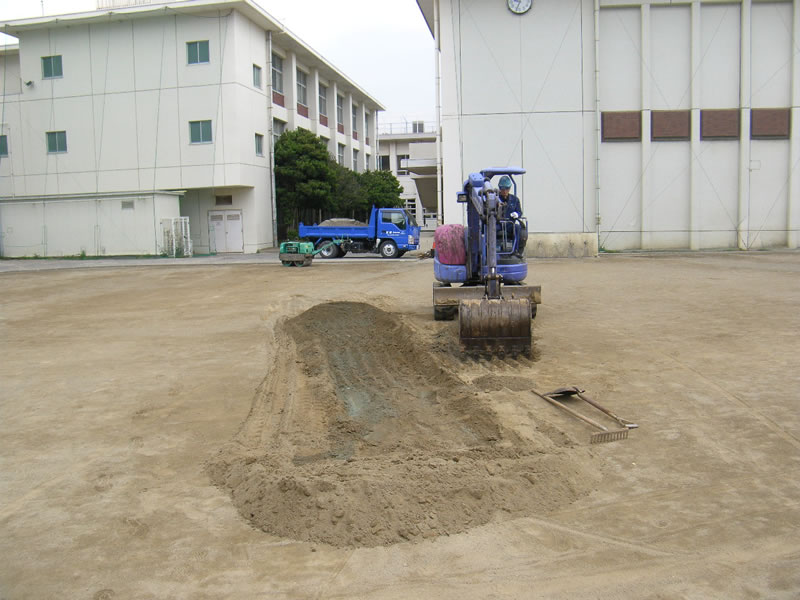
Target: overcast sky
column 384, row 46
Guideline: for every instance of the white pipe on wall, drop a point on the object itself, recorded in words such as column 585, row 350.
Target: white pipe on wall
column 597, row 118
column 437, row 58
column 271, row 142
column 743, row 220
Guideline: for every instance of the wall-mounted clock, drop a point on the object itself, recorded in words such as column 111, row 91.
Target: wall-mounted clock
column 519, row 7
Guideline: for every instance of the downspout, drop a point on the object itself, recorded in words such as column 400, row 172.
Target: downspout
column 271, row 136
column 437, row 57
column 597, row 118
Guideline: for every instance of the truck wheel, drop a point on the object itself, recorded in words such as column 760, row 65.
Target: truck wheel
column 331, row 251
column 388, row 249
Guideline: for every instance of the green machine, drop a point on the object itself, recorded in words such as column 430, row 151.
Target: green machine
column 300, row 254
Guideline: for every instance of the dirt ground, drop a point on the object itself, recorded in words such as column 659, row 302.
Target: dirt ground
column 236, row 430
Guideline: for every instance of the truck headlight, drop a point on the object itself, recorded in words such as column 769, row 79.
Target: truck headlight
column 411, row 240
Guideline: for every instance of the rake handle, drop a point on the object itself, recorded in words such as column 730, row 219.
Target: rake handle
column 619, row 420
column 570, row 411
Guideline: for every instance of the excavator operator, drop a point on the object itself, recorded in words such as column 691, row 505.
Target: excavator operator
column 512, row 211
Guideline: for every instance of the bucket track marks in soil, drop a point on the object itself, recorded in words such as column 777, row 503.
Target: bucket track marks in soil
column 360, row 436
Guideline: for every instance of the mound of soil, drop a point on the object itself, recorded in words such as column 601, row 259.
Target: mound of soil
column 342, row 223
column 359, row 437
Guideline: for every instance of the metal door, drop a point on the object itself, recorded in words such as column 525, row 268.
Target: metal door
column 234, row 239
column 225, row 231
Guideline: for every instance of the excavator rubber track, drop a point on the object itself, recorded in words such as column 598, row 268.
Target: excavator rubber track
column 495, row 326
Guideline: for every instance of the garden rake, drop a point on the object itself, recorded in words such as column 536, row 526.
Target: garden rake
column 599, row 437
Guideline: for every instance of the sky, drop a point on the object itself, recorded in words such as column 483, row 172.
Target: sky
column 383, row 45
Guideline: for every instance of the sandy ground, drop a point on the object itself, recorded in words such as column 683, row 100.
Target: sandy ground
column 227, row 430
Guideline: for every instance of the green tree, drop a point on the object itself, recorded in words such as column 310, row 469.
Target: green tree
column 381, row 188
column 348, row 196
column 304, row 178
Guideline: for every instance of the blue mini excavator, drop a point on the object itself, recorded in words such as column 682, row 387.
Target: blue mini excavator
column 485, row 286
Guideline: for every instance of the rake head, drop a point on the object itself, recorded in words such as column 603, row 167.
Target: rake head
column 608, row 436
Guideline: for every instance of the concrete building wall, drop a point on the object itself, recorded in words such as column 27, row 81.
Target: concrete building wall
column 108, row 224
column 127, row 96
column 520, row 90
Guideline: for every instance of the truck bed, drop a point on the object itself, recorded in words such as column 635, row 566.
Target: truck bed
column 320, row 231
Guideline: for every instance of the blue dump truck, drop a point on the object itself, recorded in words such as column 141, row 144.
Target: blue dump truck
column 391, row 232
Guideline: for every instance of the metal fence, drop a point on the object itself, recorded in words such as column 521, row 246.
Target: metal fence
column 406, row 127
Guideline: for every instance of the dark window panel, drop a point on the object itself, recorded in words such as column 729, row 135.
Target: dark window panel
column 622, row 126
column 719, row 124
column 670, row 125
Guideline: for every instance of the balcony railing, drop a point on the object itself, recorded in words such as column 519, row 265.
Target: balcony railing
column 410, row 127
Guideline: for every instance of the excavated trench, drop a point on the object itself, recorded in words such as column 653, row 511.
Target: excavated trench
column 359, row 436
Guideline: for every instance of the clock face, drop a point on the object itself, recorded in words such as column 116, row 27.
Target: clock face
column 519, row 6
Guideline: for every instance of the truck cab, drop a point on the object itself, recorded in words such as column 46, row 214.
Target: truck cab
column 398, row 226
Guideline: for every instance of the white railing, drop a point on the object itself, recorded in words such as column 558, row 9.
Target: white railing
column 105, row 4
column 406, row 127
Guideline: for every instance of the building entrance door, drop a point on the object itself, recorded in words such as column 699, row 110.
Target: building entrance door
column 225, row 231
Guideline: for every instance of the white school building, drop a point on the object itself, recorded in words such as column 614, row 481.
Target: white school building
column 642, row 124
column 119, row 123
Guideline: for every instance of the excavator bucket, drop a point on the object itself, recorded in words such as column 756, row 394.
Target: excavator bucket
column 495, row 326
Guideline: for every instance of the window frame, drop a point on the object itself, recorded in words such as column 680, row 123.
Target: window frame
column 277, row 73
column 197, row 45
column 257, row 76
column 388, row 162
column 355, row 117
column 259, row 140
column 48, row 60
column 340, row 154
column 202, row 139
column 277, row 131
column 58, row 137
column 322, row 99
column 302, row 98
column 400, row 170
column 3, row 144
column 339, row 109
column 355, row 160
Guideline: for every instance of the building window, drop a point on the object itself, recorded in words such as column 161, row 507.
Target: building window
column 51, row 67
column 418, row 127
column 200, row 132
column 366, row 126
column 384, row 163
column 367, row 159
column 323, row 100
column 278, row 127
column 223, row 201
column 197, row 52
column 302, row 96
column 257, row 76
column 56, row 141
column 355, row 160
column 259, row 145
column 3, row 145
column 339, row 109
column 340, row 154
column 355, row 117
column 400, row 159
column 277, row 73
